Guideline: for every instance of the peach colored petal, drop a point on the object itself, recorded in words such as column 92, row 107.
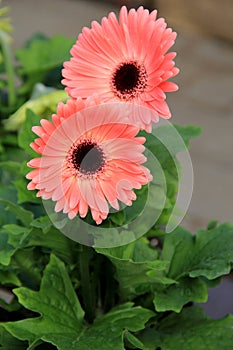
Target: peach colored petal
column 60, row 173
column 137, row 39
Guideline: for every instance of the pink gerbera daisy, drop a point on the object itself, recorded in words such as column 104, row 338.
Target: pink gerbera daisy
column 125, row 60
column 91, row 158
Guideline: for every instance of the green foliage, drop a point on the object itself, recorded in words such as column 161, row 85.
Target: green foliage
column 174, row 297
column 107, row 331
column 208, row 253
column 44, row 105
column 69, row 330
column 193, row 261
column 190, row 330
column 8, row 342
column 133, row 267
column 169, row 140
column 9, row 278
column 26, row 135
column 7, row 192
column 12, row 238
column 41, row 57
column 10, row 166
column 25, row 216
column 44, row 234
column 40, row 61
column 187, row 133
column 159, row 197
column 23, row 194
column 165, row 143
column 182, row 272
column 39, row 232
column 44, row 55
column 61, row 300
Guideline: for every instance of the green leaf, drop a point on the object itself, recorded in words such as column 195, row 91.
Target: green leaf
column 44, row 55
column 9, row 139
column 133, row 340
column 133, row 211
column 44, row 234
column 175, row 296
column 8, row 342
column 42, row 60
column 7, row 192
column 13, row 153
column 190, row 330
column 28, row 263
column 56, row 297
column 43, row 106
column 40, row 233
column 107, row 331
column 12, row 238
column 24, row 195
column 208, row 253
column 134, row 274
column 165, row 143
column 26, row 135
column 43, row 223
column 143, row 252
column 69, row 331
column 9, row 278
column 10, row 166
column 130, row 213
column 212, row 224
column 8, row 301
column 118, row 217
column 25, row 216
column 168, row 140
column 188, row 132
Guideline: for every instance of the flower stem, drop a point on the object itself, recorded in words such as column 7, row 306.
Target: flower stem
column 86, row 284
column 9, row 68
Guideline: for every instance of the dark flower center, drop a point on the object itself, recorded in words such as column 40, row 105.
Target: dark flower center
column 126, row 77
column 129, row 80
column 87, row 157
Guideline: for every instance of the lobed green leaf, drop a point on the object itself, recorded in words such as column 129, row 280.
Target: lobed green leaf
column 8, row 342
column 209, row 253
column 138, row 269
column 61, row 321
column 174, row 297
column 189, row 330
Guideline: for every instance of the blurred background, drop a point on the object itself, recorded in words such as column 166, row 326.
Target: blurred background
column 205, row 98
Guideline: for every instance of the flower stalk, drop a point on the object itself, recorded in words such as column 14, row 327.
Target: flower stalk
column 86, row 284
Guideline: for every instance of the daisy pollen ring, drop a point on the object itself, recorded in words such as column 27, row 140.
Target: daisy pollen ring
column 125, row 60
column 90, row 159
column 86, row 158
column 129, row 80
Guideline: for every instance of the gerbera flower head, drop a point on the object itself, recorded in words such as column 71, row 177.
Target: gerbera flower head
column 90, row 159
column 125, row 60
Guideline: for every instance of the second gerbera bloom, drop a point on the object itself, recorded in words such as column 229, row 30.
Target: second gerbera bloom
column 91, row 158
column 125, row 60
